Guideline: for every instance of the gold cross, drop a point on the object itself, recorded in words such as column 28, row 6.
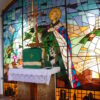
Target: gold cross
column 31, row 56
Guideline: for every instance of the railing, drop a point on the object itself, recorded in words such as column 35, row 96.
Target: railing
column 10, row 90
column 74, row 94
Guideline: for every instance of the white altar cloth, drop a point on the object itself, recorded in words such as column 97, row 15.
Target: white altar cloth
column 42, row 75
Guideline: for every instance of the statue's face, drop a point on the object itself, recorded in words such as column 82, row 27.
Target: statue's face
column 54, row 16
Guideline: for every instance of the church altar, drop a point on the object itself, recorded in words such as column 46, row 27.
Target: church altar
column 35, row 84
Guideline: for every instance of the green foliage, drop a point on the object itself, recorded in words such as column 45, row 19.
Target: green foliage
column 40, row 30
column 48, row 40
column 47, row 63
column 28, row 35
column 20, row 46
column 84, row 40
column 97, row 32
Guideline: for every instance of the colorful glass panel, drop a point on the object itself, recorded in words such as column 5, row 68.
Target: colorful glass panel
column 83, row 29
column 61, row 33
column 12, row 37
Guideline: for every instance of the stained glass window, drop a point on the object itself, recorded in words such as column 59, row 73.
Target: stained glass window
column 83, row 29
column 12, row 37
column 52, row 33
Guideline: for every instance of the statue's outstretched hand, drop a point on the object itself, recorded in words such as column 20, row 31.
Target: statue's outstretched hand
column 51, row 30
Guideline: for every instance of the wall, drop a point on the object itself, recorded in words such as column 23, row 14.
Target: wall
column 1, row 61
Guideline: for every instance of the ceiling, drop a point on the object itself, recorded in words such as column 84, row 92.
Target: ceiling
column 3, row 4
